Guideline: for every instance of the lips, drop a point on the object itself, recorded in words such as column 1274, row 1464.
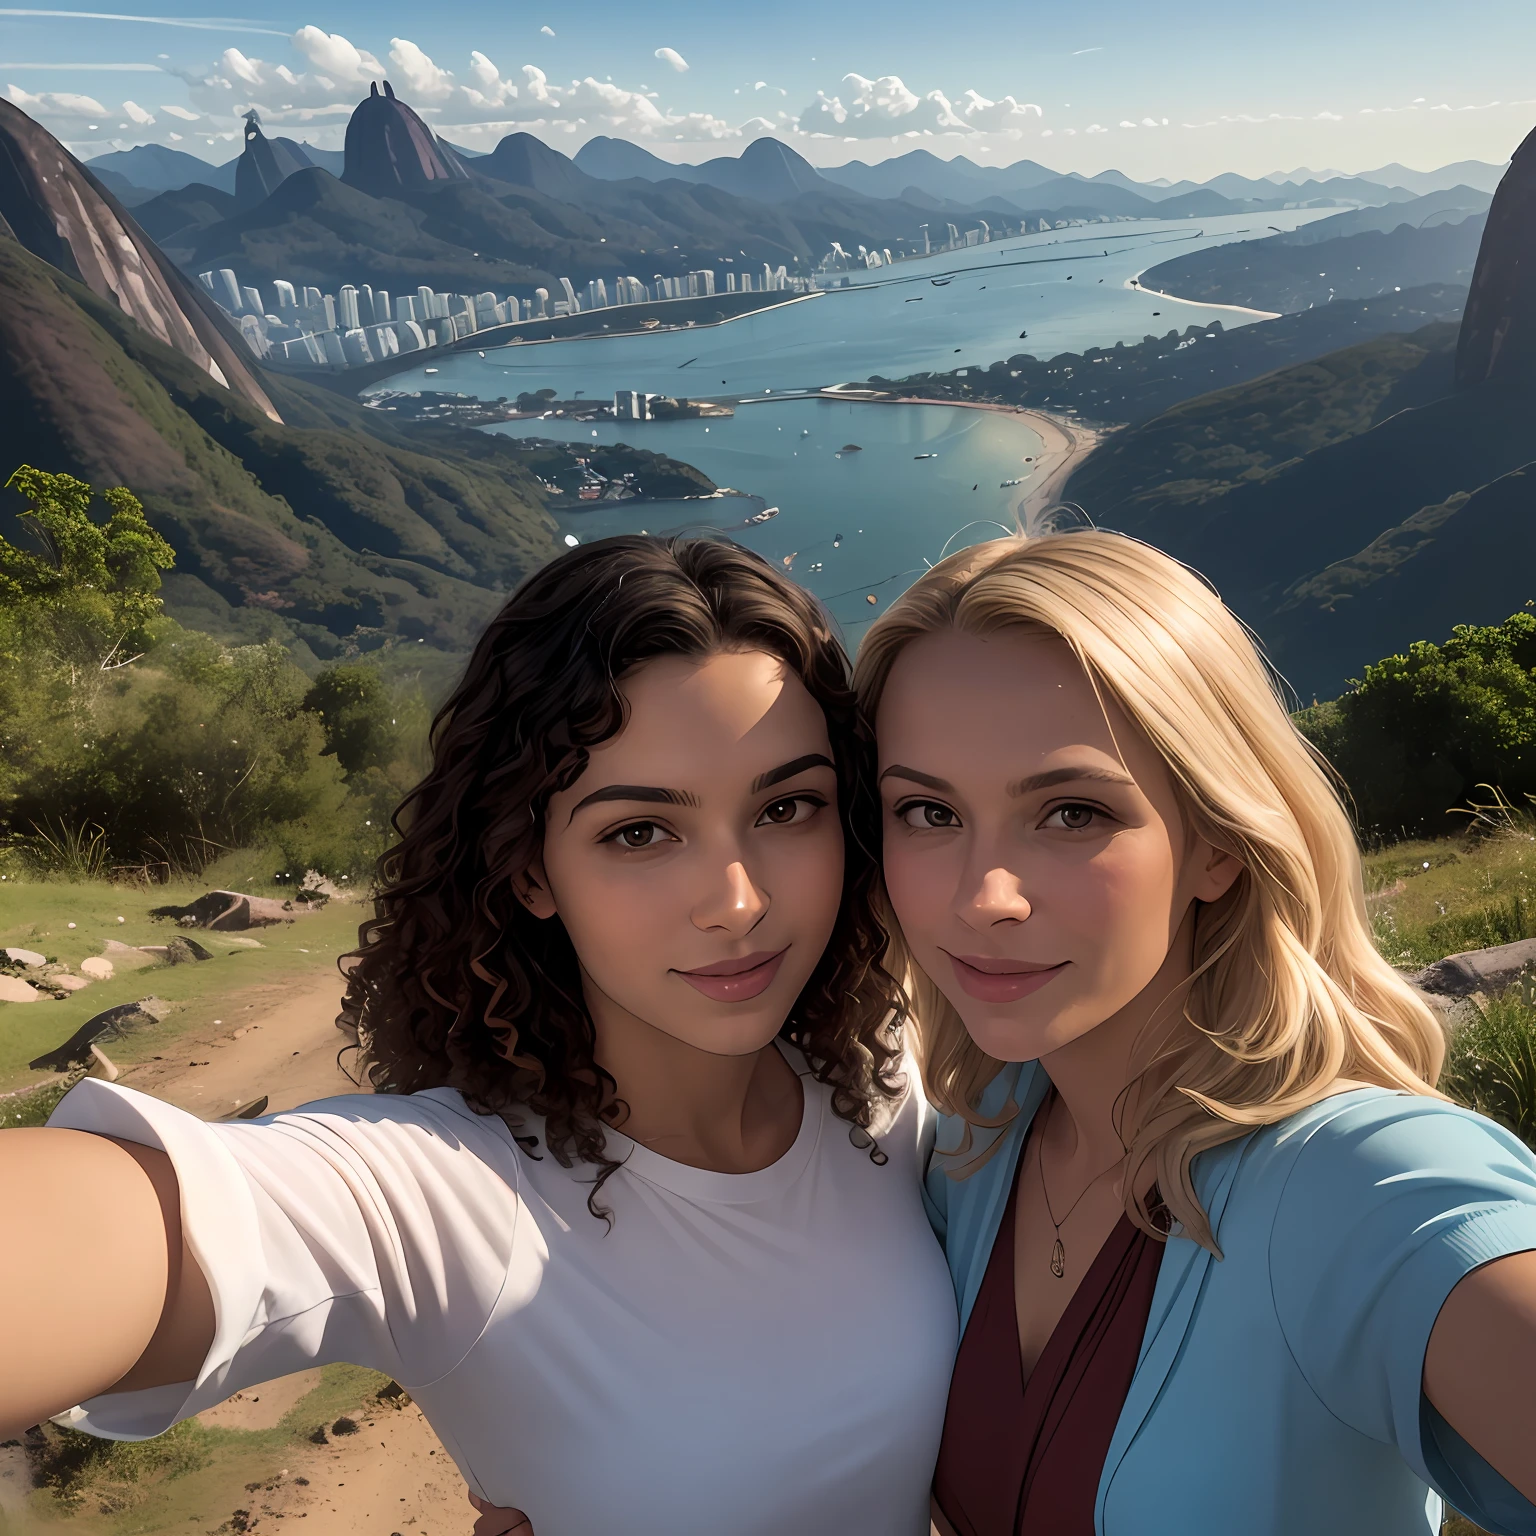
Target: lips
column 735, row 981
column 990, row 980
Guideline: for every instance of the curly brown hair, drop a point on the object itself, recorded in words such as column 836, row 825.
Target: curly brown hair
column 455, row 984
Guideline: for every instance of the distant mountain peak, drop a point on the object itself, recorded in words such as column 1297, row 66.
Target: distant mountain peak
column 390, row 149
column 1498, row 327
column 265, row 164
column 55, row 207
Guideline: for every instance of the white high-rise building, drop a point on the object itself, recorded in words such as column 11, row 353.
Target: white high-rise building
column 253, row 300
column 597, row 294
column 569, row 294
column 254, row 334
column 630, row 405
column 986, row 232
column 313, row 298
column 365, row 304
column 346, row 308
column 405, row 308
column 355, row 348
column 540, row 304
column 381, row 308
column 206, row 279
column 287, row 300
column 334, row 355
column 328, row 308
column 226, row 289
column 486, row 309
column 424, row 297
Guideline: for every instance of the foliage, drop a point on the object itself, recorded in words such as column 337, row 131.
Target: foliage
column 115, row 1474
column 90, row 596
column 177, row 751
column 360, row 731
column 1421, row 731
column 1491, row 1065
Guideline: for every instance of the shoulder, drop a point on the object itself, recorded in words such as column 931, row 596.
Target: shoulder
column 1372, row 1174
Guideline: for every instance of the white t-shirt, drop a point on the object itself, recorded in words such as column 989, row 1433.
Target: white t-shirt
column 741, row 1355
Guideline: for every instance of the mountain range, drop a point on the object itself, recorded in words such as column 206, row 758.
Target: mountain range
column 294, row 511
column 1367, row 498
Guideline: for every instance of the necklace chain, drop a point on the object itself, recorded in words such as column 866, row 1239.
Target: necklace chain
column 1058, row 1249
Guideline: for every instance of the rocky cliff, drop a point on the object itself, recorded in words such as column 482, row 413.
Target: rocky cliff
column 264, row 165
column 389, row 149
column 57, row 209
column 1498, row 329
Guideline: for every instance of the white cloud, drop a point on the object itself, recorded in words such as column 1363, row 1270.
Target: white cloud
column 1125, row 123
column 878, row 109
column 136, row 114
column 175, row 138
column 674, row 58
column 1096, row 128
column 56, row 103
column 547, row 31
column 181, row 112
column 1005, row 116
column 1327, row 117
column 489, row 89
column 422, row 78
column 334, row 56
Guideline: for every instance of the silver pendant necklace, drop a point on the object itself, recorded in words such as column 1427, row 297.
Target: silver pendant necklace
column 1058, row 1248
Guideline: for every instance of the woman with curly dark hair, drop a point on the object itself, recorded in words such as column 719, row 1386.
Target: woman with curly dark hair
column 599, row 1216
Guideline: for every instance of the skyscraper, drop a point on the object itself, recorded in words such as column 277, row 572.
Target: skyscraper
column 226, row 289
column 381, row 309
column 346, row 308
column 287, row 300
column 569, row 294
column 252, row 298
column 540, row 310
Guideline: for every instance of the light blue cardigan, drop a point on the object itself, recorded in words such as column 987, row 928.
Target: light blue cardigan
column 1278, row 1389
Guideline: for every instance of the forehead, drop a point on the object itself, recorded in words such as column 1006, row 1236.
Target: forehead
column 732, row 711
column 1018, row 695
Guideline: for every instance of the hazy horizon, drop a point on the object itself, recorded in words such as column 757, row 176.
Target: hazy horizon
column 1200, row 90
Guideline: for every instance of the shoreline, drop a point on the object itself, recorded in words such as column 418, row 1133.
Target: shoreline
column 1133, row 282
column 1064, row 444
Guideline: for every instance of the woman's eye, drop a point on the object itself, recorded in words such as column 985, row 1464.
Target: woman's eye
column 927, row 815
column 1074, row 818
column 639, row 834
column 788, row 813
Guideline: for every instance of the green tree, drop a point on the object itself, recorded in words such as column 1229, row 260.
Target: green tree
column 360, row 729
column 1420, row 731
column 89, row 598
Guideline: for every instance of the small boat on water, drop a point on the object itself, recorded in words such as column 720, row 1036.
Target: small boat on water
column 852, row 448
column 429, row 370
column 1023, row 334
column 764, row 515
column 837, row 540
column 805, row 431
column 925, row 455
column 1004, row 485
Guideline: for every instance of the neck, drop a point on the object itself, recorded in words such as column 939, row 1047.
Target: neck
column 1093, row 1073
column 728, row 1114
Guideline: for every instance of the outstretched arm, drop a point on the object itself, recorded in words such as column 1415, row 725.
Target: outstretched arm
column 1480, row 1367
column 97, row 1288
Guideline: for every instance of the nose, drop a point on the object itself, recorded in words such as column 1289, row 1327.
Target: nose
column 997, row 898
column 735, row 906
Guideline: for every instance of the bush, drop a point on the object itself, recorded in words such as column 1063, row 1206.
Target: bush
column 1422, row 731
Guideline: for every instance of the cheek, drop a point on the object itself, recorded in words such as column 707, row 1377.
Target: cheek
column 807, row 877
column 915, row 884
column 1120, row 903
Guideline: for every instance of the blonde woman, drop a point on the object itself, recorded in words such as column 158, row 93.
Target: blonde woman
column 1226, row 1261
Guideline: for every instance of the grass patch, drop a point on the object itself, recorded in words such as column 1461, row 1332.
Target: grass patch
column 184, row 1480
column 1428, row 899
column 70, row 921
column 1491, row 1063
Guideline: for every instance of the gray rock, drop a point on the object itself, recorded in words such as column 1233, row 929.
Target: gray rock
column 229, row 912
column 1478, row 970
column 24, row 956
column 113, row 1024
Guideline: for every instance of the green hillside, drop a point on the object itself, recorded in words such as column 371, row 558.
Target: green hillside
column 1339, row 504
column 1277, row 274
column 339, row 527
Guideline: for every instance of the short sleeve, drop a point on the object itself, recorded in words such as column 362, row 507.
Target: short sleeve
column 372, row 1230
column 1388, row 1204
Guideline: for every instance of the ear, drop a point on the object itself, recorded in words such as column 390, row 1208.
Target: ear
column 533, row 889
column 1215, row 871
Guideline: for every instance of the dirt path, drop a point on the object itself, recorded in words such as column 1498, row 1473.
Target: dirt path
column 393, row 1474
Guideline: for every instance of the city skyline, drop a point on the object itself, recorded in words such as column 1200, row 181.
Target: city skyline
column 1201, row 90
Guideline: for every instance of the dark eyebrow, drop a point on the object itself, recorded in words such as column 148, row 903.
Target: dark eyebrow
column 927, row 780
column 790, row 769
column 1068, row 776
column 644, row 792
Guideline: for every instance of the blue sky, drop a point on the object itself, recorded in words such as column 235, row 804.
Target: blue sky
column 1190, row 88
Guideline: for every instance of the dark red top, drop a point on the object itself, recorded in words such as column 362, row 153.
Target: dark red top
column 1023, row 1459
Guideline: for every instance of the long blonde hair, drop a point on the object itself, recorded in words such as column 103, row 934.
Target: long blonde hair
column 1289, row 993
